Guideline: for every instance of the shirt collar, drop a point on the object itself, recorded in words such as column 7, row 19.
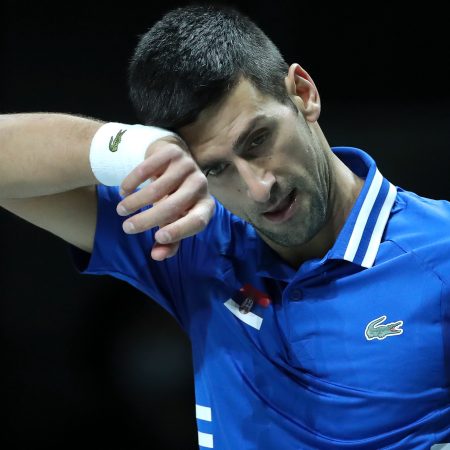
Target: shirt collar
column 360, row 237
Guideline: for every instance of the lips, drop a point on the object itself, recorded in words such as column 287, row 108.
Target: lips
column 284, row 210
column 284, row 203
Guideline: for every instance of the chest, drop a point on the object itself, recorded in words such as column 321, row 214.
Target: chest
column 332, row 344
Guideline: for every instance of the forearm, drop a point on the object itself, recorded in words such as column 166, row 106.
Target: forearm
column 43, row 154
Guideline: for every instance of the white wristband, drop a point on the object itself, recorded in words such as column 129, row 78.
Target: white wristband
column 117, row 148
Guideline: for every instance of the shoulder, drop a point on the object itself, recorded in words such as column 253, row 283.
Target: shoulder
column 427, row 219
column 422, row 226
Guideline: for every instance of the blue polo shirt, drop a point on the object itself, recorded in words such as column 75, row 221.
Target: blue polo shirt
column 353, row 351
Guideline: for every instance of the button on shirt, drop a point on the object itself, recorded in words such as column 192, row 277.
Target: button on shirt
column 353, row 350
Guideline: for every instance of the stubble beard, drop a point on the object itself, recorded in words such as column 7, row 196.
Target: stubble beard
column 307, row 221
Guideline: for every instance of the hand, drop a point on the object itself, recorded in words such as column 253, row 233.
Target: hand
column 182, row 205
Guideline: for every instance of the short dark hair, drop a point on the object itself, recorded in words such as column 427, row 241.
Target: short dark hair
column 193, row 56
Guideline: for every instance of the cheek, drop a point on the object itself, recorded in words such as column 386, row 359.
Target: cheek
column 230, row 198
column 297, row 156
column 236, row 202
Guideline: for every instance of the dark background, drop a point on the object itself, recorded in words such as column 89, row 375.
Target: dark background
column 90, row 361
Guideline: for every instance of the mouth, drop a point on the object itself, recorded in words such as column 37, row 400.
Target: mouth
column 284, row 210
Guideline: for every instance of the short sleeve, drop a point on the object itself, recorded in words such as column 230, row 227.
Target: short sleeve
column 127, row 257
column 182, row 284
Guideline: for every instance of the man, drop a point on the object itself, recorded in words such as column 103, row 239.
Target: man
column 315, row 293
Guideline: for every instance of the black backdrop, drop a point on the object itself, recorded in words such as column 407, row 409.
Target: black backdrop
column 92, row 361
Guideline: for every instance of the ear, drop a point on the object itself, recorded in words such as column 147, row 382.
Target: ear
column 306, row 96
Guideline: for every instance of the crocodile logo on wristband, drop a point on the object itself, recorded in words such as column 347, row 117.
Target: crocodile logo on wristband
column 115, row 141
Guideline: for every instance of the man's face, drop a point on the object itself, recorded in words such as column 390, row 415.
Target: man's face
column 276, row 163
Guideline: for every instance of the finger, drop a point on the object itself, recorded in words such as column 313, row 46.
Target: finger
column 171, row 208
column 162, row 251
column 167, row 183
column 162, row 153
column 192, row 223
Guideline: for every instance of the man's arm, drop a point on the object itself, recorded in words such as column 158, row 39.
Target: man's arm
column 70, row 215
column 45, row 174
column 46, row 178
column 43, row 154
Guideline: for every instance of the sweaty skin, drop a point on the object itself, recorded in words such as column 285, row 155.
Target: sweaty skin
column 286, row 150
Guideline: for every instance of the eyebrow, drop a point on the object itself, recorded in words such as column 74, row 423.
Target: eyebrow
column 239, row 142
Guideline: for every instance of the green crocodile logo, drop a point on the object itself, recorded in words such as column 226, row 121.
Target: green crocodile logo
column 115, row 141
column 375, row 329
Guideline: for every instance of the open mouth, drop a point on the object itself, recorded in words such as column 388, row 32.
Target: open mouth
column 285, row 209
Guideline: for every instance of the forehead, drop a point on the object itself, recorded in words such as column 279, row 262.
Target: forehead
column 220, row 124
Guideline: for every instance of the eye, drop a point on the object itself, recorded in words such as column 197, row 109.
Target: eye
column 217, row 170
column 258, row 140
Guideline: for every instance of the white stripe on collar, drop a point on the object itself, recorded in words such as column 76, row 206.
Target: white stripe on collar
column 361, row 223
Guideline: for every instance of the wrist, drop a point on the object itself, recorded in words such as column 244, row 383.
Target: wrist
column 117, row 148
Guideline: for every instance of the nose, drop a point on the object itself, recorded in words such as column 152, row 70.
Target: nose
column 259, row 181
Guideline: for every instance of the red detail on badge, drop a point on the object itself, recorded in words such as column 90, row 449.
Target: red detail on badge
column 258, row 296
